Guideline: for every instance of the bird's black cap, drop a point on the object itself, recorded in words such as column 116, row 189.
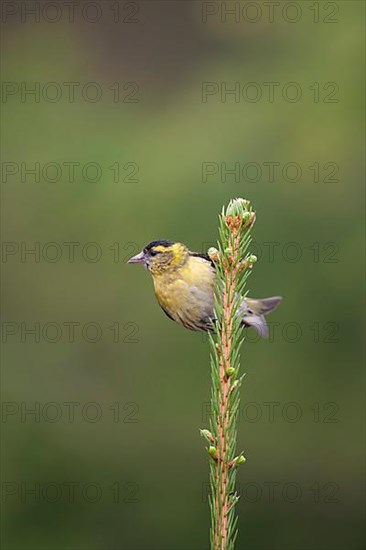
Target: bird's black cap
column 158, row 243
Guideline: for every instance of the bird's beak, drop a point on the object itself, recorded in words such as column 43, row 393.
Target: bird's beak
column 138, row 259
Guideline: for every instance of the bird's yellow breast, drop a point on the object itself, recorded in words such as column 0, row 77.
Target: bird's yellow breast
column 187, row 293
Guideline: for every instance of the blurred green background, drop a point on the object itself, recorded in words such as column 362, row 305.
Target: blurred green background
column 140, row 390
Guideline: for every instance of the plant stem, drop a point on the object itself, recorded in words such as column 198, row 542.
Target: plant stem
column 232, row 270
column 222, row 464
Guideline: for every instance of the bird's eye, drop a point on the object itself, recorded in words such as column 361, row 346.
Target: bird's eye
column 153, row 252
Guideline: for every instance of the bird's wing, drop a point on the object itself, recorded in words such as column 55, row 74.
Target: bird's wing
column 203, row 256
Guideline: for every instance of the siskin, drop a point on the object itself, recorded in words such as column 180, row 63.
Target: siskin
column 184, row 283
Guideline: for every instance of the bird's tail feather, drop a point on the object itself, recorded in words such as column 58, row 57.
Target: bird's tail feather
column 258, row 322
column 263, row 305
column 255, row 312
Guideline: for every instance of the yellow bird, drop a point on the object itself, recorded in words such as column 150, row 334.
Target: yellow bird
column 184, row 283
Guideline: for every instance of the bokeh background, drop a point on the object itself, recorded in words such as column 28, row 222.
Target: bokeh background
column 139, row 390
